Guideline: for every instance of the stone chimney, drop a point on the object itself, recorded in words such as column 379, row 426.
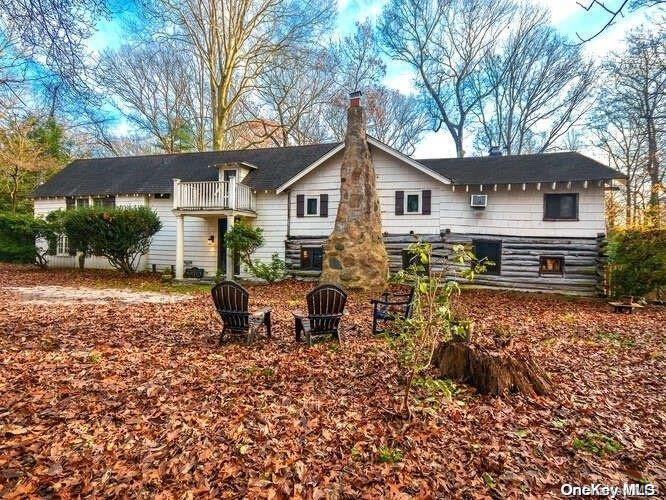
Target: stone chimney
column 354, row 254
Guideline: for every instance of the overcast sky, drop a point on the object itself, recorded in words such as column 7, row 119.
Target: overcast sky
column 569, row 17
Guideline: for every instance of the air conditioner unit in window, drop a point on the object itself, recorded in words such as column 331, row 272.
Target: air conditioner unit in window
column 478, row 201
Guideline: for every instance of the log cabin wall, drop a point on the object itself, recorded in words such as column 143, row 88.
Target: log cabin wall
column 584, row 260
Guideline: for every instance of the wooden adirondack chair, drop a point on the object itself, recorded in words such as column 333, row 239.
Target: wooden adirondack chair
column 231, row 301
column 326, row 305
column 391, row 306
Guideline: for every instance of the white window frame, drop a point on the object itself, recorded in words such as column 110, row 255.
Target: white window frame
column 418, row 197
column 62, row 246
column 316, row 198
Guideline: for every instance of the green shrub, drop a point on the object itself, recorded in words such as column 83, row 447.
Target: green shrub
column 245, row 240
column 19, row 235
column 121, row 235
column 271, row 271
column 637, row 261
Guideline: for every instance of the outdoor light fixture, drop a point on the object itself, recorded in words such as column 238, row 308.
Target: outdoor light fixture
column 211, row 239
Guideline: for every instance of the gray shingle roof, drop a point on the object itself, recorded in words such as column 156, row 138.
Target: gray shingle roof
column 155, row 173
column 275, row 166
column 547, row 167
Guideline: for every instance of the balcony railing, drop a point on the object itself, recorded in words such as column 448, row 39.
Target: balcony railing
column 212, row 195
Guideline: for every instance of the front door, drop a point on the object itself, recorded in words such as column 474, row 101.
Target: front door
column 222, row 249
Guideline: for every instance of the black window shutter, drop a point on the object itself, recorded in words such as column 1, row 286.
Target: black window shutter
column 300, row 205
column 323, row 205
column 425, row 201
column 399, row 202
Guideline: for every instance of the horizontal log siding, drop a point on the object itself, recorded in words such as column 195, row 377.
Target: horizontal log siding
column 520, row 260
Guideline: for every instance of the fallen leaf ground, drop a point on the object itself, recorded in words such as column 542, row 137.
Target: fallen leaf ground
column 119, row 399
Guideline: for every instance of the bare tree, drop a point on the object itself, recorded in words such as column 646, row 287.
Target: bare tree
column 236, row 40
column 292, row 93
column 613, row 12
column 446, row 43
column 393, row 118
column 156, row 87
column 541, row 87
column 639, row 90
column 52, row 32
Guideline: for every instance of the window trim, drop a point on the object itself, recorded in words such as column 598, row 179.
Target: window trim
column 420, row 202
column 317, row 202
column 62, row 246
column 310, row 266
column 561, row 258
column 567, row 219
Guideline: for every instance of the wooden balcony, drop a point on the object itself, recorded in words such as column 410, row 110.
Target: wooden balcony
column 209, row 196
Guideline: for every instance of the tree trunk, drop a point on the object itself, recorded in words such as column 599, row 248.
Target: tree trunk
column 492, row 371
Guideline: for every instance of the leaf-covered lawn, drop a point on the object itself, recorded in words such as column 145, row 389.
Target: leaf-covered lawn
column 138, row 399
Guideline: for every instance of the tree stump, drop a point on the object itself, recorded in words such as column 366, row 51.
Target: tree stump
column 491, row 371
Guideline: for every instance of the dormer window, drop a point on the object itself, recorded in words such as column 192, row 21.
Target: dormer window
column 228, row 174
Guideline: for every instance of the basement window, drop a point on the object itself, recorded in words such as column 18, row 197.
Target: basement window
column 489, row 253
column 551, row 266
column 311, row 258
column 410, row 259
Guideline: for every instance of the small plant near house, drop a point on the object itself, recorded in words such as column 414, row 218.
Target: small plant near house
column 272, row 271
column 245, row 240
column 416, row 338
column 597, row 443
column 388, row 455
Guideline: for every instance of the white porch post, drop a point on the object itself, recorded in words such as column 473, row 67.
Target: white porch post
column 230, row 254
column 232, row 193
column 176, row 193
column 180, row 245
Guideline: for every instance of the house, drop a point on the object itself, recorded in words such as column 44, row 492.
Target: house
column 539, row 218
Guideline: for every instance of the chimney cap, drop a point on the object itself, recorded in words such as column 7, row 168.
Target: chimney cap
column 495, row 151
column 356, row 93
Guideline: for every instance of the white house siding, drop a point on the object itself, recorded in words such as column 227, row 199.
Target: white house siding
column 272, row 218
column 392, row 175
column 520, row 213
column 198, row 251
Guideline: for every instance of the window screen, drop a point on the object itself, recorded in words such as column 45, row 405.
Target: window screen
column 561, row 206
